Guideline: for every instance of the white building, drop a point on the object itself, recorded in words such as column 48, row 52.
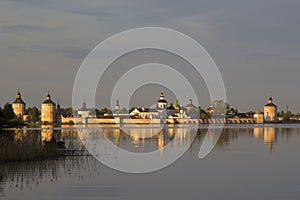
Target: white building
column 85, row 113
column 144, row 113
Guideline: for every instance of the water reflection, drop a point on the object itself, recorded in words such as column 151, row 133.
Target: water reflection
column 139, row 140
column 28, row 175
column 146, row 139
column 269, row 135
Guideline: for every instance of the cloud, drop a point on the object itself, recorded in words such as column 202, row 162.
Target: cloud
column 72, row 52
column 245, row 38
column 22, row 27
column 93, row 13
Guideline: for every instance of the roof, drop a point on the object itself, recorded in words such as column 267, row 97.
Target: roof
column 190, row 105
column 171, row 107
column 258, row 111
column 48, row 101
column 19, row 100
column 270, row 104
column 146, row 109
column 162, row 101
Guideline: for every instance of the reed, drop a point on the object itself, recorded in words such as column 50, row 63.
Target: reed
column 11, row 150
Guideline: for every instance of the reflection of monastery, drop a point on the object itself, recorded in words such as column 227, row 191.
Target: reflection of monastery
column 269, row 135
column 155, row 138
column 163, row 112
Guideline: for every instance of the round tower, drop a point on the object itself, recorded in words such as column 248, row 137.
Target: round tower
column 48, row 111
column 270, row 111
column 19, row 106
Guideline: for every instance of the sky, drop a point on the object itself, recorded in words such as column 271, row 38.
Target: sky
column 255, row 45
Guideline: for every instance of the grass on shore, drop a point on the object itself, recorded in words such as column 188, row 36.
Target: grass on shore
column 28, row 150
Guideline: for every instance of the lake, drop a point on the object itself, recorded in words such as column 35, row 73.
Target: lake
column 247, row 162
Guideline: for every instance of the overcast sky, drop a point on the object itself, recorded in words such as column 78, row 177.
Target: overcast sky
column 254, row 43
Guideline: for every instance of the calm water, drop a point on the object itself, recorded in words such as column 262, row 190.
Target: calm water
column 248, row 162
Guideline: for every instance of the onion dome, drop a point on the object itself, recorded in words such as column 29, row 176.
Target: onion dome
column 162, row 98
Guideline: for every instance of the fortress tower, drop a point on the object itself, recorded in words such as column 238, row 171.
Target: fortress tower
column 48, row 111
column 19, row 106
column 270, row 111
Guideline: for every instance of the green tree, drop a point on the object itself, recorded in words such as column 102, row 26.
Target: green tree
column 8, row 112
column 67, row 111
column 1, row 113
column 34, row 114
column 105, row 110
column 123, row 111
column 219, row 107
column 285, row 115
column 176, row 104
column 204, row 115
column 2, row 120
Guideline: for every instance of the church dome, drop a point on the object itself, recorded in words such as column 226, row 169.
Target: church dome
column 162, row 98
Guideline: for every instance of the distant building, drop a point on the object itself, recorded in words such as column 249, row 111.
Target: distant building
column 192, row 110
column 48, row 111
column 162, row 110
column 259, row 117
column 144, row 113
column 162, row 102
column 19, row 106
column 172, row 110
column 270, row 111
column 190, row 106
column 117, row 106
column 179, row 115
column 84, row 112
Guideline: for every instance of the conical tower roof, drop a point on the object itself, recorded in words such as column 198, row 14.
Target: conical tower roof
column 19, row 98
column 48, row 100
